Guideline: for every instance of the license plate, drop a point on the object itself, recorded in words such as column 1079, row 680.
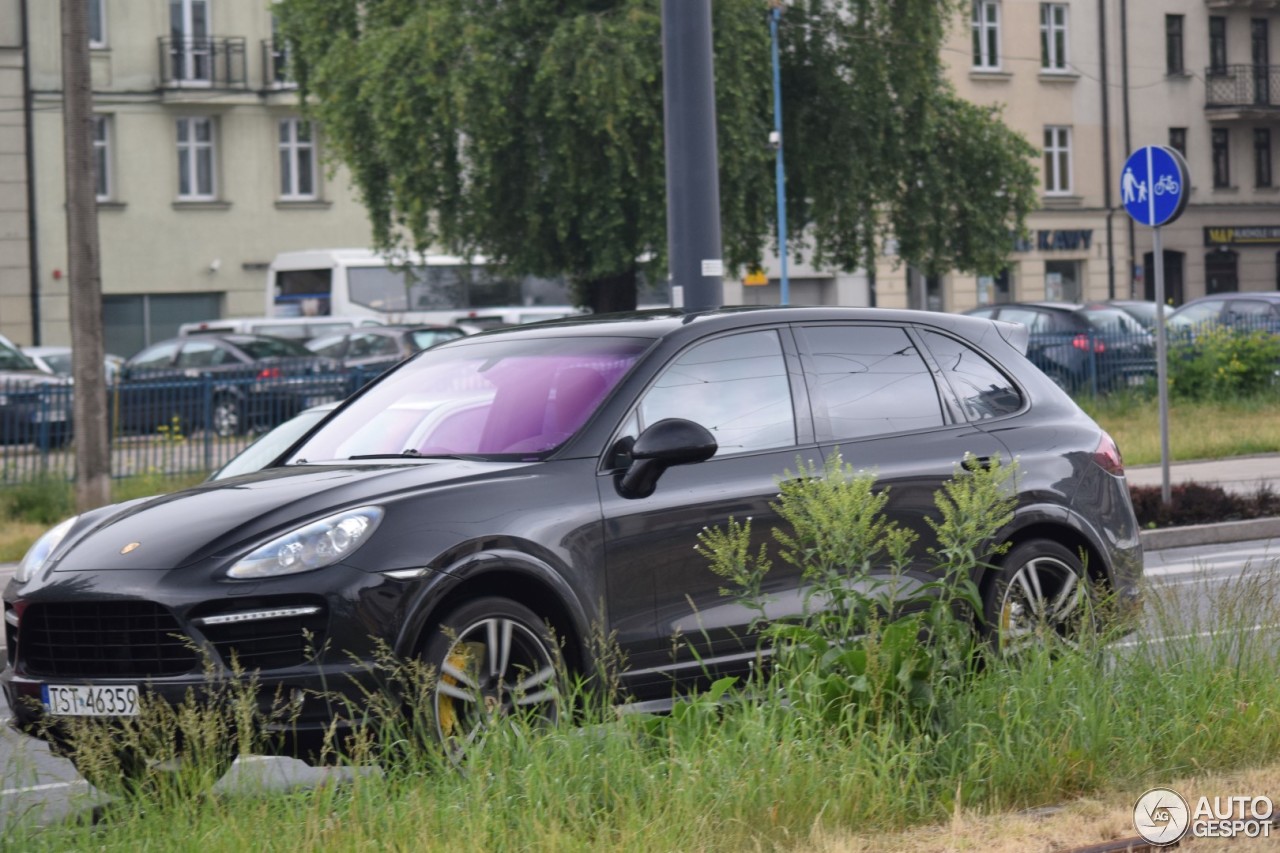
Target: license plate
column 87, row 700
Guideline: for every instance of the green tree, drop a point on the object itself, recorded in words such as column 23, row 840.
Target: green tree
column 532, row 132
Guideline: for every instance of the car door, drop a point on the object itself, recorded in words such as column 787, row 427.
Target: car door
column 141, row 400
column 746, row 389
column 879, row 400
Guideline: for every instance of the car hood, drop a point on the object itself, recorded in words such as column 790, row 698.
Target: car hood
column 12, row 380
column 227, row 518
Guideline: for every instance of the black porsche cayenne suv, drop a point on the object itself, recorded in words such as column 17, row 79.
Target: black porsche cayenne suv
column 556, row 475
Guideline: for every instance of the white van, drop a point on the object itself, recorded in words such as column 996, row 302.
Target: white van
column 295, row 328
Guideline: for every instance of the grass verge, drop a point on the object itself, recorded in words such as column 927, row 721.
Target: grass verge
column 1196, row 430
column 826, row 753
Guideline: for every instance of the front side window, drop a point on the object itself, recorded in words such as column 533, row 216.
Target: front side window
column 1053, row 36
column 97, row 23
column 984, row 391
column 871, row 380
column 1057, row 160
column 297, row 160
column 986, row 35
column 195, row 158
column 736, row 386
column 1173, row 44
column 1262, row 157
column 102, row 157
column 1221, row 157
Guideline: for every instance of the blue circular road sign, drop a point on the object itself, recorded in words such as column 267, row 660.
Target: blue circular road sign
column 1153, row 185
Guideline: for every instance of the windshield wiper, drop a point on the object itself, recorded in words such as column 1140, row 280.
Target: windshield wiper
column 410, row 453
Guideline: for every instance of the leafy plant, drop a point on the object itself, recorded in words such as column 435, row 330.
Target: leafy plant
column 865, row 651
column 1222, row 363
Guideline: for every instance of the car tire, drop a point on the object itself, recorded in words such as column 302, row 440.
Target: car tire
column 226, row 419
column 493, row 659
column 1038, row 597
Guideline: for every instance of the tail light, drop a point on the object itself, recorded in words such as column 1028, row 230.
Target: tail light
column 1107, row 455
column 1084, row 343
column 269, row 373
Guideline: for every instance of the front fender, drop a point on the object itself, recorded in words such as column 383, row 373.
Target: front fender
column 504, row 572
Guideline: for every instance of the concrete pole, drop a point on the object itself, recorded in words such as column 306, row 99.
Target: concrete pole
column 93, row 460
column 693, row 179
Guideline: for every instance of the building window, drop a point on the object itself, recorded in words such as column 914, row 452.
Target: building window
column 102, row 157
column 1217, row 44
column 196, row 177
column 986, row 35
column 1221, row 157
column 995, row 289
column 1057, row 160
column 97, row 23
column 1062, row 281
column 1173, row 44
column 1178, row 140
column 1262, row 157
column 1053, row 36
column 297, row 160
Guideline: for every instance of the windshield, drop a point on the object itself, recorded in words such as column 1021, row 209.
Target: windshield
column 495, row 397
column 11, row 359
column 1115, row 321
column 271, row 347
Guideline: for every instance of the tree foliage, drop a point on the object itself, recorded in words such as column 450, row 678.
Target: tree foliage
column 533, row 132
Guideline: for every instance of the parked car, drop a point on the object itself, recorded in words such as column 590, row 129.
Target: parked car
column 1236, row 310
column 373, row 350
column 553, row 479
column 1142, row 310
column 1082, row 347
column 35, row 405
column 55, row 359
column 225, row 383
column 294, row 328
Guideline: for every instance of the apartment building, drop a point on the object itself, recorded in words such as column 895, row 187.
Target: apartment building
column 1087, row 81
column 205, row 169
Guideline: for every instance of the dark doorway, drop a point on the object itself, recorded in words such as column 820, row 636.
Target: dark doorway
column 1173, row 266
column 1221, row 272
column 1261, row 61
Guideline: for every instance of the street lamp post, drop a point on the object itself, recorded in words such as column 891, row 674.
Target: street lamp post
column 775, row 139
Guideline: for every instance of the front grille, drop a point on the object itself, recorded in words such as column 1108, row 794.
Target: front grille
column 272, row 643
column 103, row 639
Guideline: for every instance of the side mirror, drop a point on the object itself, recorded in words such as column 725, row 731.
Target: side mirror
column 671, row 441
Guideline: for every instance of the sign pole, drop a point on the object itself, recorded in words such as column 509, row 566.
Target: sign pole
column 1162, row 366
column 1154, row 189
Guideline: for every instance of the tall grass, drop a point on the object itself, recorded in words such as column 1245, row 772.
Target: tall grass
column 1194, row 690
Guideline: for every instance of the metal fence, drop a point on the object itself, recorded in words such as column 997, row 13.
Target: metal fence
column 159, row 424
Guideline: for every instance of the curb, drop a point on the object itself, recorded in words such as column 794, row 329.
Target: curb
column 1210, row 534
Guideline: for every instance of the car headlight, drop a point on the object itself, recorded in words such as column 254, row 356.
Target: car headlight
column 38, row 554
column 313, row 546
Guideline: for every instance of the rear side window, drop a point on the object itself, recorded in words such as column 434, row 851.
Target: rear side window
column 983, row 390
column 871, row 380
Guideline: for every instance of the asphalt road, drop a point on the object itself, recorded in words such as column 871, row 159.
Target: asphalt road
column 1187, row 584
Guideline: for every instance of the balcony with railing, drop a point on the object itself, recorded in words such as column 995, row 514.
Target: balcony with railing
column 1242, row 92
column 275, row 66
column 205, row 62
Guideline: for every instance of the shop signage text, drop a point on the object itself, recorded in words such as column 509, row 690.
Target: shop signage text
column 1055, row 241
column 1243, row 235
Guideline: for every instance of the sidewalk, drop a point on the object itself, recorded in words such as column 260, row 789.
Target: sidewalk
column 1238, row 475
